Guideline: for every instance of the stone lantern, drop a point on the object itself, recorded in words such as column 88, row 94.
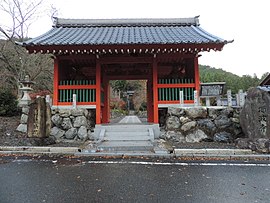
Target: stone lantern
column 26, row 88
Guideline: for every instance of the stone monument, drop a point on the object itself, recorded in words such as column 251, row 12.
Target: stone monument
column 255, row 115
column 39, row 119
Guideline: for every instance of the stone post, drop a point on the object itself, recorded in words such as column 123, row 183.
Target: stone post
column 229, row 97
column 181, row 97
column 237, row 100
column 207, row 100
column 74, row 101
column 196, row 100
column 218, row 101
column 241, row 98
column 48, row 100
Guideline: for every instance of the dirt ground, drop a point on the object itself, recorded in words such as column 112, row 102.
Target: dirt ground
column 10, row 137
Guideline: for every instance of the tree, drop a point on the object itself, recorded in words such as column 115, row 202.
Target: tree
column 15, row 62
column 233, row 82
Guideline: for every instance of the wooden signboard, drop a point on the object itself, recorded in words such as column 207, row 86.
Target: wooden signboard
column 213, row 89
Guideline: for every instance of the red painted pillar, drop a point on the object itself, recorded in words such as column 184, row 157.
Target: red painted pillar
column 55, row 82
column 106, row 109
column 149, row 101
column 98, row 92
column 155, row 91
column 197, row 74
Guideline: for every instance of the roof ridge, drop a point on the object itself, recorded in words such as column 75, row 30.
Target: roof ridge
column 119, row 22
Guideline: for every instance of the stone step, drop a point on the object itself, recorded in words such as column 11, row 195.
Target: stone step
column 129, row 128
column 126, row 128
column 127, row 134
column 125, row 146
column 124, row 137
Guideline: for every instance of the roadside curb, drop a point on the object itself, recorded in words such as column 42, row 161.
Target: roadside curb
column 42, row 150
column 177, row 153
column 181, row 152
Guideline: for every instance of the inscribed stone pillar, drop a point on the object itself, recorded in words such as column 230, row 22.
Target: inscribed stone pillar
column 255, row 115
column 39, row 122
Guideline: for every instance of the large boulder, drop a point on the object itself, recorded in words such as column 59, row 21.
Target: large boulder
column 71, row 133
column 196, row 136
column 79, row 112
column 222, row 122
column 172, row 123
column 224, row 137
column 57, row 132
column 80, row 121
column 189, row 125
column 66, row 124
column 175, row 136
column 57, row 120
column 196, row 112
column 255, row 115
column 207, row 124
column 82, row 133
column 175, row 111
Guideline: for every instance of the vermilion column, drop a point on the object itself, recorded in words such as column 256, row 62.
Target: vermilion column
column 197, row 74
column 149, row 101
column 155, row 91
column 98, row 92
column 106, row 109
column 55, row 82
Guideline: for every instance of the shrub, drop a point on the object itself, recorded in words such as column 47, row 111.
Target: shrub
column 8, row 103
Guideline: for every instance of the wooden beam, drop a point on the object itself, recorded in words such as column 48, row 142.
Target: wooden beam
column 140, row 48
column 55, row 81
column 74, row 87
column 176, row 102
column 78, row 103
column 128, row 77
column 186, row 85
column 121, row 60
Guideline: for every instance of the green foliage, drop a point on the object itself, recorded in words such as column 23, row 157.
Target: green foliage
column 125, row 85
column 233, row 82
column 8, row 103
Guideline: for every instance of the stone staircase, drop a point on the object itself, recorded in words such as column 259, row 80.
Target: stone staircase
column 126, row 137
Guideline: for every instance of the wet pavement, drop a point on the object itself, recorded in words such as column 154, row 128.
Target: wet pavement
column 71, row 179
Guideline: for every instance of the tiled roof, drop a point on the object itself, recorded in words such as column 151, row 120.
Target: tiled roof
column 125, row 32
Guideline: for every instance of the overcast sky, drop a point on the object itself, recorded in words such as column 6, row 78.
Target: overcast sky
column 245, row 21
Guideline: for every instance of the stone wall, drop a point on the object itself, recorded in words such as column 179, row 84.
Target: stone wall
column 72, row 124
column 196, row 124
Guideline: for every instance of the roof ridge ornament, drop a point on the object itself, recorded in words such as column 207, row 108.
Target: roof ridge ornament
column 126, row 22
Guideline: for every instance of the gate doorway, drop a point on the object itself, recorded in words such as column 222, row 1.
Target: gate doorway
column 128, row 97
column 127, row 90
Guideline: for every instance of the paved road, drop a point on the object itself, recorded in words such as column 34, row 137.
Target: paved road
column 130, row 119
column 60, row 180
